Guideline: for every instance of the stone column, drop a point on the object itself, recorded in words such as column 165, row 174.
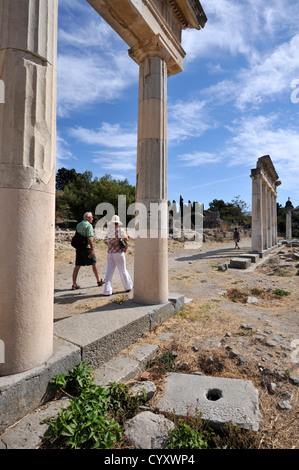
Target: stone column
column 269, row 221
column 257, row 214
column 265, row 216
column 28, row 45
column 288, row 222
column 273, row 218
column 151, row 244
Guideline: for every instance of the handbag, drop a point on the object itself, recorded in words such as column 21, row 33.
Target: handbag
column 123, row 245
column 79, row 241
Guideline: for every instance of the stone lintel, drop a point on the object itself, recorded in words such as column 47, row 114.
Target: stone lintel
column 266, row 171
column 152, row 26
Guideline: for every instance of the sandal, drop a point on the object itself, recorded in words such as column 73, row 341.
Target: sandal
column 75, row 286
column 101, row 282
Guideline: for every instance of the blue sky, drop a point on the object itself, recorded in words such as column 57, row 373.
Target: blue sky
column 235, row 101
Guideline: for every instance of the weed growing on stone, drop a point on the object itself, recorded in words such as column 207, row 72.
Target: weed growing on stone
column 95, row 415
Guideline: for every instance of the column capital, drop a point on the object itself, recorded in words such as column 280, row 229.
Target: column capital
column 155, row 47
column 256, row 174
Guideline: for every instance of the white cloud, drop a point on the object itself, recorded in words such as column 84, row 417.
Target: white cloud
column 63, row 152
column 187, row 119
column 92, row 34
column 120, row 147
column 118, row 160
column 236, row 27
column 264, row 135
column 198, row 159
column 271, row 75
column 85, row 80
column 267, row 78
column 108, row 135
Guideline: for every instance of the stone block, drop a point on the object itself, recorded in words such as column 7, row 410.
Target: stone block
column 218, row 400
column 144, row 353
column 104, row 332
column 120, row 369
column 148, row 430
column 254, row 257
column 22, row 393
column 29, row 431
column 240, row 263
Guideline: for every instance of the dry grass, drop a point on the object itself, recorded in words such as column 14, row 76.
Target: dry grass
column 203, row 323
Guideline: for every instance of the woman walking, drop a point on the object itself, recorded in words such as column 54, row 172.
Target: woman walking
column 116, row 257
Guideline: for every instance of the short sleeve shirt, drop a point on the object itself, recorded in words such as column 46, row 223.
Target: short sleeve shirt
column 113, row 235
column 85, row 228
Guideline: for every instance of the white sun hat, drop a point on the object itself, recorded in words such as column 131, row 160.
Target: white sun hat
column 115, row 220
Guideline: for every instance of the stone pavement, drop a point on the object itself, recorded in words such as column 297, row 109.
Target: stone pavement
column 96, row 337
column 220, row 400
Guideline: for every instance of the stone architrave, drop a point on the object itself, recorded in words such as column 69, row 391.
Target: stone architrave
column 152, row 29
column 264, row 212
column 28, row 48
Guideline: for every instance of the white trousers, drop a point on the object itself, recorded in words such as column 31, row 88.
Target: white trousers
column 117, row 260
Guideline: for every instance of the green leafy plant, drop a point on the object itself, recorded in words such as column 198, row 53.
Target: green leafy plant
column 121, row 403
column 95, row 416
column 281, row 292
column 74, row 380
column 185, row 437
column 86, row 423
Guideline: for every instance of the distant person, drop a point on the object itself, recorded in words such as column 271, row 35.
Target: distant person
column 116, row 256
column 86, row 256
column 236, row 238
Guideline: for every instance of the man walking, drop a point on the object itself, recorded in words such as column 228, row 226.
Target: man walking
column 86, row 256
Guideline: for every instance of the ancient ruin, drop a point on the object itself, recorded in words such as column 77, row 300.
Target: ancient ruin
column 28, row 47
column 264, row 210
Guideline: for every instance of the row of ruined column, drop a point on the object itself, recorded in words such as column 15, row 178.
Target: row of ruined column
column 264, row 207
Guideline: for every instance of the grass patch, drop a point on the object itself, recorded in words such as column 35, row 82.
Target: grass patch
column 284, row 273
column 281, row 292
column 163, row 363
column 120, row 299
column 193, row 433
column 241, row 296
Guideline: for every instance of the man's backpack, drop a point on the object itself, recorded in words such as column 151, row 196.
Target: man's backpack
column 79, row 241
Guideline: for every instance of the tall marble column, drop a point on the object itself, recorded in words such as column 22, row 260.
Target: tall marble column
column 269, row 221
column 288, row 222
column 151, row 245
column 257, row 214
column 273, row 205
column 265, row 216
column 28, row 48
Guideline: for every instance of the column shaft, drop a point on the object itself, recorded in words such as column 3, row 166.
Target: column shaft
column 269, row 220
column 257, row 221
column 28, row 45
column 264, row 216
column 151, row 249
column 288, row 223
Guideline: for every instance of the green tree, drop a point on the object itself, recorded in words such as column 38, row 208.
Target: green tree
column 82, row 193
column 65, row 176
column 233, row 212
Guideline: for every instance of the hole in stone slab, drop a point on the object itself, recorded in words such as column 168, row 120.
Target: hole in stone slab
column 214, row 394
